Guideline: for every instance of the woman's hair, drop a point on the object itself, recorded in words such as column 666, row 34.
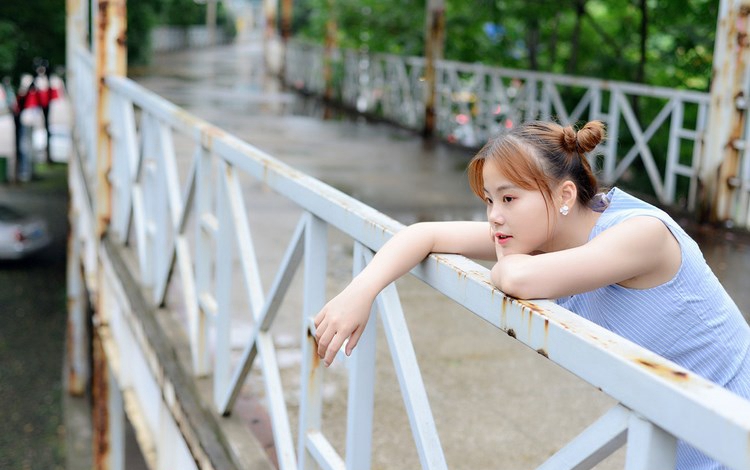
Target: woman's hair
column 538, row 155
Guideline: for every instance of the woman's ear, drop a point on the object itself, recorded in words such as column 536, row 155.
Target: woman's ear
column 568, row 192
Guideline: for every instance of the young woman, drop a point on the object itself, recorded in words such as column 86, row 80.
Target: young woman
column 627, row 265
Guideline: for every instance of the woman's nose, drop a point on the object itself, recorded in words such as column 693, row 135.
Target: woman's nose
column 495, row 216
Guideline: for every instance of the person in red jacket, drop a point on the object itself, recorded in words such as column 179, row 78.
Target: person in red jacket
column 27, row 100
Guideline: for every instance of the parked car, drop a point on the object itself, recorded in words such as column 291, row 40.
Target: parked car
column 21, row 234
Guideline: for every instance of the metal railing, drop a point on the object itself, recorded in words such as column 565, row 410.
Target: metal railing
column 655, row 134
column 659, row 403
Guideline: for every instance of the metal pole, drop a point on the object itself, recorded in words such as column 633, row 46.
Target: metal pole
column 330, row 45
column 110, row 54
column 286, row 33
column 433, row 51
column 286, row 19
column 211, row 21
column 719, row 164
column 270, row 10
column 272, row 47
column 74, row 36
column 77, row 337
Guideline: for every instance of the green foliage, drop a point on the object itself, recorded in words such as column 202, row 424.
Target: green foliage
column 143, row 15
column 599, row 38
column 379, row 26
column 36, row 29
column 30, row 30
column 8, row 47
column 657, row 42
column 183, row 13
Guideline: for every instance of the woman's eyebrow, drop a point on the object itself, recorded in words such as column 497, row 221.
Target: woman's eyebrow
column 502, row 187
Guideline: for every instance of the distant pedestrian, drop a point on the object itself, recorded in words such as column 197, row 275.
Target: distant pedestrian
column 27, row 115
column 9, row 107
column 44, row 94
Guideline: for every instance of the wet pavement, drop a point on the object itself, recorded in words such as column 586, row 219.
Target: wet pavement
column 32, row 336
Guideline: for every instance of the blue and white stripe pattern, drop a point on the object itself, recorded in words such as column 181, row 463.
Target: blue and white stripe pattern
column 690, row 319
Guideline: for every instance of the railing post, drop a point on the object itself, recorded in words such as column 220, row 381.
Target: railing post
column 110, row 59
column 649, row 446
column 77, row 338
column 272, row 48
column 205, row 236
column 211, row 21
column 311, row 373
column 330, row 46
column 108, row 414
column 74, row 36
column 78, row 356
column 433, row 51
column 361, row 388
column 286, row 20
column 720, row 162
column 110, row 53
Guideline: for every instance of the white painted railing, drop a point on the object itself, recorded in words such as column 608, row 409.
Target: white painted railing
column 152, row 206
column 474, row 101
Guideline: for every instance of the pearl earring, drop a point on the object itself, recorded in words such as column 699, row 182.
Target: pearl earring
column 564, row 209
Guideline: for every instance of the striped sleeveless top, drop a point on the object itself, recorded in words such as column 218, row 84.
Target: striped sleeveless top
column 690, row 320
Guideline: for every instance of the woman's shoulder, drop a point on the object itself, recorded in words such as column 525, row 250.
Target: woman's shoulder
column 619, row 205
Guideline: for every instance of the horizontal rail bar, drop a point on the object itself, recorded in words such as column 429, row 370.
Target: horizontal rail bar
column 658, row 389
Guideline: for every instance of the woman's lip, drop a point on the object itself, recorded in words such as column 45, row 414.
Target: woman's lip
column 502, row 238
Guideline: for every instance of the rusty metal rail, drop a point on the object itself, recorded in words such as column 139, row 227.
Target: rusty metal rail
column 187, row 224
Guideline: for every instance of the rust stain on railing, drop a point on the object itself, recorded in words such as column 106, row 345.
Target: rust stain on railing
column 664, row 370
column 100, row 404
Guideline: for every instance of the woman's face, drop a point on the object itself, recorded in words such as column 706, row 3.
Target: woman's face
column 519, row 217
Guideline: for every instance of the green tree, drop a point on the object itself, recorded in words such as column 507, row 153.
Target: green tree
column 650, row 41
column 30, row 30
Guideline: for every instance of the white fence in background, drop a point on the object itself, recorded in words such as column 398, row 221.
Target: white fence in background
column 655, row 134
column 658, row 402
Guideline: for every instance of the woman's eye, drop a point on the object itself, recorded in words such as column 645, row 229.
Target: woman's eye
column 507, row 198
column 488, row 200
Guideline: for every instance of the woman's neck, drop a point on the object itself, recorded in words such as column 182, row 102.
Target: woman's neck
column 575, row 229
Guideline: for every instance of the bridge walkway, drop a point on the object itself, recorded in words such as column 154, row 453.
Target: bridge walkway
column 492, row 401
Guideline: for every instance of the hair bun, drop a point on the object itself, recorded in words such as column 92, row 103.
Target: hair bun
column 588, row 137
column 569, row 140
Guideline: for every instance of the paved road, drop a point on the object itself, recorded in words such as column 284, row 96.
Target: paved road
column 32, row 296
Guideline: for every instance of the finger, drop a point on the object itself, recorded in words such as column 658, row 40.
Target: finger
column 353, row 340
column 324, row 341
column 320, row 329
column 333, row 348
column 319, row 317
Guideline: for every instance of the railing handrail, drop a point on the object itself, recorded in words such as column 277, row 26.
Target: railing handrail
column 720, row 420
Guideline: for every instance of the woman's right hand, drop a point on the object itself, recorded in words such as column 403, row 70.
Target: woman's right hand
column 344, row 316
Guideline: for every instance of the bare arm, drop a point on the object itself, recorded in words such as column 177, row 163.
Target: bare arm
column 345, row 316
column 639, row 253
